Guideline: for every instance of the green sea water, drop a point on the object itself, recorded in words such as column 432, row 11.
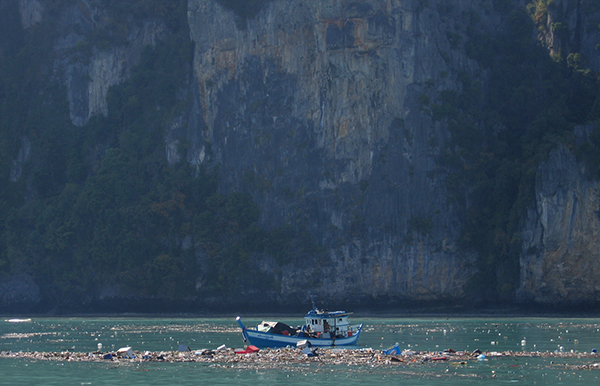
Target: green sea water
column 421, row 334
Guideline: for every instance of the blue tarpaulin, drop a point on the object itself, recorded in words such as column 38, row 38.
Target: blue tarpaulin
column 392, row 351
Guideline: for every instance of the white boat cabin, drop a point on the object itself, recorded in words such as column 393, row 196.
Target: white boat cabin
column 321, row 322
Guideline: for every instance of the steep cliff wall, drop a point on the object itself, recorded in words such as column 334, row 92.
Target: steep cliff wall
column 570, row 27
column 561, row 239
column 86, row 66
column 318, row 110
column 559, row 259
column 31, row 12
column 314, row 107
column 352, row 122
column 88, row 81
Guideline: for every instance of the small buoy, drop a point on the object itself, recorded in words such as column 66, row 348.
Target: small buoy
column 523, row 342
column 99, row 346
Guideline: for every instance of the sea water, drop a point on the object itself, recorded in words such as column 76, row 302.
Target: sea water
column 419, row 334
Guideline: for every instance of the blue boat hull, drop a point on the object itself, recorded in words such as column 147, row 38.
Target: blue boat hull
column 265, row 339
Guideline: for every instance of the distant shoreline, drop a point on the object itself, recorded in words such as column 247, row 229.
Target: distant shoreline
column 409, row 313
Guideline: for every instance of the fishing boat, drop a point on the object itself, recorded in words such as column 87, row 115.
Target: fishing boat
column 321, row 328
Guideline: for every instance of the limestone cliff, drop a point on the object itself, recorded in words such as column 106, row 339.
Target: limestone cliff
column 314, row 108
column 88, row 68
column 560, row 260
column 567, row 26
column 322, row 112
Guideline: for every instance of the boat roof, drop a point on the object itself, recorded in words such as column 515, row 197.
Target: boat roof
column 323, row 314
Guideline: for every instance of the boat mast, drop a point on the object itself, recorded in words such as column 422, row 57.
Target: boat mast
column 334, row 330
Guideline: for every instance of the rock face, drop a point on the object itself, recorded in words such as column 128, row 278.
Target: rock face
column 570, row 26
column 88, row 78
column 313, row 107
column 561, row 245
column 318, row 109
column 559, row 260
column 31, row 12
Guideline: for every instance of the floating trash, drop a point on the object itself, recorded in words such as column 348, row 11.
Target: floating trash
column 248, row 350
column 125, row 352
column 395, row 350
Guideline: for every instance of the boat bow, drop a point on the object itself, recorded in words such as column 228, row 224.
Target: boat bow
column 239, row 320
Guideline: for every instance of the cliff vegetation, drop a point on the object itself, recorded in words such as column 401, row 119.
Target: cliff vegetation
column 103, row 213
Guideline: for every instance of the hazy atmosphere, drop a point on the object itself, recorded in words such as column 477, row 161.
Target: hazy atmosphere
column 162, row 156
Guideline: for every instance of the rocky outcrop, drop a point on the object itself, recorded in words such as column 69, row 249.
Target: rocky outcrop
column 571, row 27
column 313, row 107
column 31, row 12
column 96, row 69
column 319, row 110
column 560, row 262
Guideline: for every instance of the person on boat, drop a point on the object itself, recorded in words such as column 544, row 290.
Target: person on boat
column 302, row 331
column 309, row 332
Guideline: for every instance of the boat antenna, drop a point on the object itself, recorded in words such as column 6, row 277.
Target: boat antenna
column 312, row 299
